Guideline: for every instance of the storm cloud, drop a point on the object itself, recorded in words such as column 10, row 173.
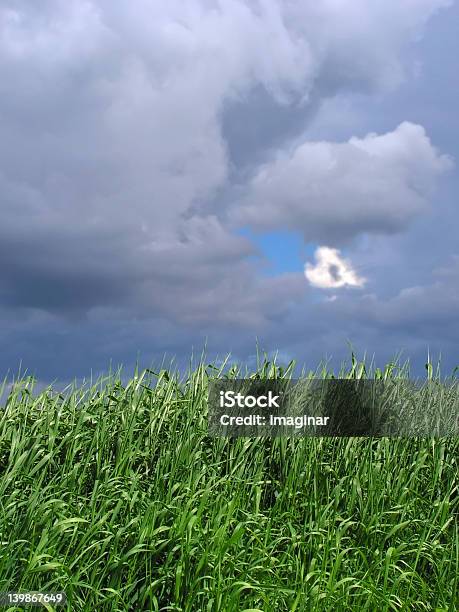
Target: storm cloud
column 137, row 140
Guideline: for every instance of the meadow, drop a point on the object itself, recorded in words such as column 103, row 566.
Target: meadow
column 114, row 493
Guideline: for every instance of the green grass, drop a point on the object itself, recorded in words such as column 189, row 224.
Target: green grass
column 115, row 494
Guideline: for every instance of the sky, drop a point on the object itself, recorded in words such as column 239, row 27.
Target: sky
column 227, row 174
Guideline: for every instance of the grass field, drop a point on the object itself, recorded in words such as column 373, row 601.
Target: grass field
column 115, row 494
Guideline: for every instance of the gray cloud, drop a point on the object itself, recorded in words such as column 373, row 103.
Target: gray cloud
column 121, row 127
column 335, row 191
column 416, row 320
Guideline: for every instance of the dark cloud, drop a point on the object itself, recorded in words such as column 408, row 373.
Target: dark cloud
column 128, row 132
column 416, row 321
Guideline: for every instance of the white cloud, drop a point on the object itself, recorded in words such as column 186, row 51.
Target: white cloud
column 332, row 271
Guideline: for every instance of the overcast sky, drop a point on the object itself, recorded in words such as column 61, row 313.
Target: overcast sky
column 191, row 171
